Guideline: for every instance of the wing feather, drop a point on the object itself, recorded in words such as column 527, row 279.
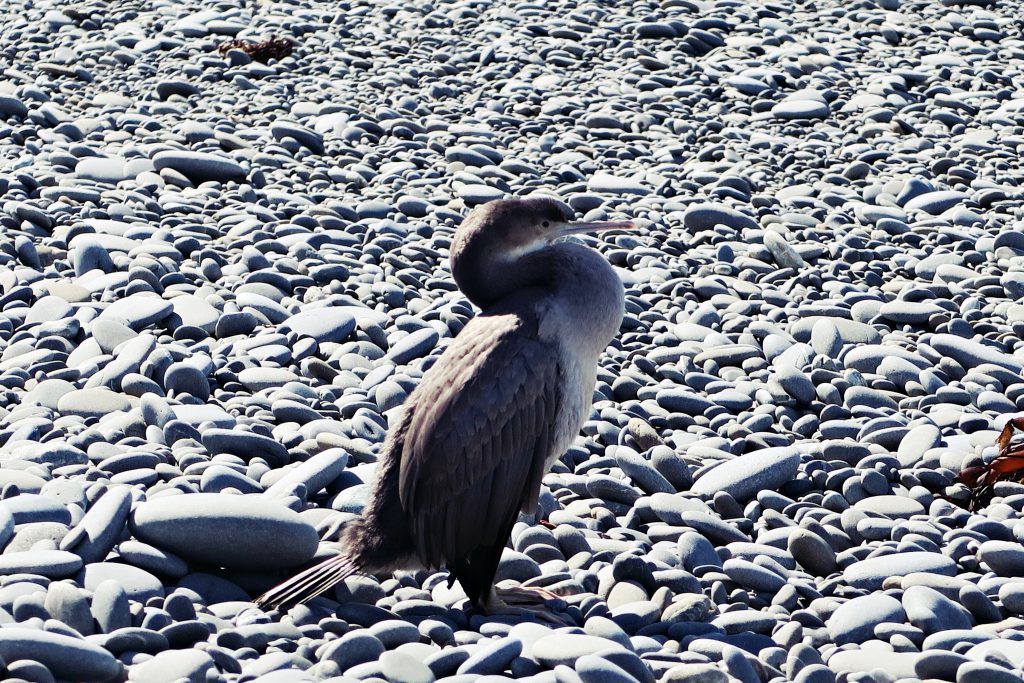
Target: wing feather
column 480, row 436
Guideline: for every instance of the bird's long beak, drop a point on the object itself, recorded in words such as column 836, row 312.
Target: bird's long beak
column 567, row 229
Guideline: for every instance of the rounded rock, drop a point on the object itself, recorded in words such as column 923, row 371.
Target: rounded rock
column 244, row 532
column 746, row 475
column 173, row 666
column 184, row 378
column 67, row 658
column 1005, row 558
column 565, row 648
column 812, row 552
column 795, row 110
column 855, row 621
column 199, row 166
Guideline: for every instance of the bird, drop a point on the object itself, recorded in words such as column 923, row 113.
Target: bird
column 471, row 443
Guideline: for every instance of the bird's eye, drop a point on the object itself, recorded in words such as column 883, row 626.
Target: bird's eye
column 546, row 224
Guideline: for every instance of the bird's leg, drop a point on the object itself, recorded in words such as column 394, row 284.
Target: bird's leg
column 524, row 602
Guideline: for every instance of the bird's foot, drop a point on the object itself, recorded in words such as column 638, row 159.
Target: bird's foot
column 523, row 595
column 535, row 604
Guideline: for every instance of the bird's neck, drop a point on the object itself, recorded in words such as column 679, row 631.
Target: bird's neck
column 576, row 279
column 488, row 277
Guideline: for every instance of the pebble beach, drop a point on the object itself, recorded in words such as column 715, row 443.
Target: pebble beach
column 222, row 272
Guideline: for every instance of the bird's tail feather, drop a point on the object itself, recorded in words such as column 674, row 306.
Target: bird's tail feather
column 309, row 583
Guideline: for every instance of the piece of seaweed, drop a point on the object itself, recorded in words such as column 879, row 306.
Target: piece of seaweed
column 1008, row 465
column 264, row 51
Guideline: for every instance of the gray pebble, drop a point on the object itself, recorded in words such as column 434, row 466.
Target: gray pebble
column 67, row 658
column 870, row 573
column 101, row 526
column 492, row 658
column 174, row 665
column 707, row 216
column 199, row 166
column 565, row 648
column 744, row 476
column 855, row 621
column 812, row 552
column 403, row 668
column 1006, row 558
column 262, row 533
column 139, row 584
column 593, row 669
column 110, row 606
column 983, row 672
column 795, row 110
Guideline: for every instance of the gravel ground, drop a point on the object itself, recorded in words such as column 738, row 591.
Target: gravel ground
column 220, row 277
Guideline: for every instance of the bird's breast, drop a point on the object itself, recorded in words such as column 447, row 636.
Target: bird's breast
column 579, row 376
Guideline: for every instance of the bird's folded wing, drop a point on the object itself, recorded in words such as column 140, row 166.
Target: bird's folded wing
column 482, row 430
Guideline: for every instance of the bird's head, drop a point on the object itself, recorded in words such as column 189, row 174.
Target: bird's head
column 514, row 227
column 500, row 233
